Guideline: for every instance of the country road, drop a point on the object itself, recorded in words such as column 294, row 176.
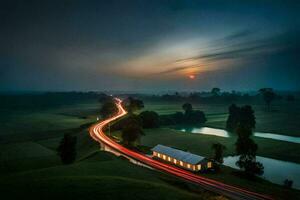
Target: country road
column 97, row 133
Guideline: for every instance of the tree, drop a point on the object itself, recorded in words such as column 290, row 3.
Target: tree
column 195, row 117
column 150, row 119
column 108, row 109
column 268, row 95
column 243, row 116
column 246, row 148
column 67, row 149
column 233, row 117
column 132, row 104
column 187, row 107
column 215, row 91
column 247, row 117
column 218, row 152
column 131, row 133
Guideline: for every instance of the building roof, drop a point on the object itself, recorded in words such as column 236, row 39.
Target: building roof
column 178, row 154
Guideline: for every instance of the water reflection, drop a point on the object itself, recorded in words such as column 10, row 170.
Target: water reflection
column 224, row 133
column 207, row 131
column 275, row 171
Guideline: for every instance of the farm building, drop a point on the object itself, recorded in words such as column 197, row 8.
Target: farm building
column 180, row 158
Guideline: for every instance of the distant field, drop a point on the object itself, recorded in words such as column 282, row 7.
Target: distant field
column 283, row 119
column 32, row 123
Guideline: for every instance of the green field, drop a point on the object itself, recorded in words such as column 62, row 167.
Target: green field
column 34, row 166
column 201, row 145
column 29, row 163
column 30, row 167
column 283, row 119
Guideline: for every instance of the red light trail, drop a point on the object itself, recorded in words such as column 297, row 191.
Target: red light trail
column 96, row 132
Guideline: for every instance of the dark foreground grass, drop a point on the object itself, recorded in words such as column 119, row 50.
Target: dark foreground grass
column 34, row 171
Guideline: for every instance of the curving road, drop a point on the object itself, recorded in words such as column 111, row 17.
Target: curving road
column 97, row 133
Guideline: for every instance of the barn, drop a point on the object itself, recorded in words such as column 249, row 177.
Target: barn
column 181, row 158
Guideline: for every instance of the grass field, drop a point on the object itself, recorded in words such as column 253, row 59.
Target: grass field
column 283, row 119
column 29, row 164
column 31, row 169
column 201, row 145
column 34, row 166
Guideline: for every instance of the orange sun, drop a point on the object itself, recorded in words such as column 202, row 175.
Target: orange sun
column 192, row 76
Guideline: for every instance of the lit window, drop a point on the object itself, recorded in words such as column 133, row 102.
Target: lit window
column 158, row 155
column 188, row 165
column 164, row 157
column 209, row 165
column 169, row 158
column 199, row 167
column 194, row 168
column 154, row 153
column 181, row 163
column 175, row 161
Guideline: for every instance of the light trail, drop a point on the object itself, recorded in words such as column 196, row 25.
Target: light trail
column 97, row 133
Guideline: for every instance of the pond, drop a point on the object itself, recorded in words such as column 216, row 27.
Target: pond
column 224, row 133
column 275, row 171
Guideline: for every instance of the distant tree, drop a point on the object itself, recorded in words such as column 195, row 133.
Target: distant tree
column 131, row 133
column 104, row 98
column 215, row 91
column 67, row 149
column 233, row 117
column 150, row 119
column 128, row 119
column 187, row 107
column 108, row 108
column 195, row 117
column 247, row 117
column 132, row 104
column 268, row 95
column 218, row 152
column 287, row 183
column 243, row 116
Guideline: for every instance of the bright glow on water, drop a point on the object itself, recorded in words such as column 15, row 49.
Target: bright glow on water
column 278, row 137
column 224, row 133
column 208, row 131
column 275, row 171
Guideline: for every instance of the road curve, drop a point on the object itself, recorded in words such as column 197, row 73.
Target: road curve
column 97, row 133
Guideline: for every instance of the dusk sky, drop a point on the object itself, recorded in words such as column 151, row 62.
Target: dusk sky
column 149, row 45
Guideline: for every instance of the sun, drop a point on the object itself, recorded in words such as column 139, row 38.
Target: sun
column 192, row 76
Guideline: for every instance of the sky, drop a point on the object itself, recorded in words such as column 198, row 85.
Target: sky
column 157, row 45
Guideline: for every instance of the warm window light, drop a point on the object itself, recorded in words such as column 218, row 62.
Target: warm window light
column 164, row 157
column 175, row 161
column 188, row 165
column 169, row 158
column 158, row 155
column 181, row 163
column 199, row 167
column 209, row 165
